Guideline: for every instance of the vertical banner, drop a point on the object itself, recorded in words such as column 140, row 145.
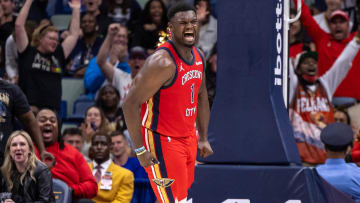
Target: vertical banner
column 249, row 122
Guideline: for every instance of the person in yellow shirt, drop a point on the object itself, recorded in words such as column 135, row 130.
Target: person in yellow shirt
column 115, row 183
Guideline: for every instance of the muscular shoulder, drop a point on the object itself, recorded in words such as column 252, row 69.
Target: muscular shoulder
column 161, row 60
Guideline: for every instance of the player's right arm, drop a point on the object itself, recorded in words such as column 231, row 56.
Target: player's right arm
column 159, row 70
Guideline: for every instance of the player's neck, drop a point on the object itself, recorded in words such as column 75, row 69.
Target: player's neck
column 184, row 51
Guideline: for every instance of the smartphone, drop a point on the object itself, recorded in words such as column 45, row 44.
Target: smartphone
column 93, row 126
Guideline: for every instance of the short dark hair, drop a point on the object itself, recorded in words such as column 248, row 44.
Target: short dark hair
column 180, row 7
column 117, row 133
column 342, row 148
column 102, row 133
column 71, row 131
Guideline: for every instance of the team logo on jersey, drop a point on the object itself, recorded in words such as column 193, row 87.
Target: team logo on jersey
column 163, row 182
column 181, row 68
column 198, row 63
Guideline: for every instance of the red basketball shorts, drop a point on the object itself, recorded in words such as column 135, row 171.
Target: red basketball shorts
column 177, row 161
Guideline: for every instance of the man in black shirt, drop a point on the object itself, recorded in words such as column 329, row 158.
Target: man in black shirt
column 13, row 104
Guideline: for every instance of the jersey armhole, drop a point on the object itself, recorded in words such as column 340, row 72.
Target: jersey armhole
column 202, row 58
column 176, row 68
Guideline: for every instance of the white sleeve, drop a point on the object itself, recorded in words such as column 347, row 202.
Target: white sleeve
column 11, row 57
column 293, row 80
column 338, row 71
column 122, row 82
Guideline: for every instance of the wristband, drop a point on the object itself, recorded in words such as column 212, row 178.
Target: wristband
column 140, row 149
column 140, row 153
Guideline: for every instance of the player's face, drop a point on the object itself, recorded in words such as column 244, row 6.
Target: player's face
column 308, row 67
column 100, row 147
column 184, row 28
column 48, row 124
column 339, row 28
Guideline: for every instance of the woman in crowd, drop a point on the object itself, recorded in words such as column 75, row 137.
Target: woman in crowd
column 25, row 177
column 108, row 101
column 70, row 166
column 42, row 61
column 153, row 20
column 94, row 120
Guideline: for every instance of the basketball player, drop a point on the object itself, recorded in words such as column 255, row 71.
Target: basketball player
column 171, row 91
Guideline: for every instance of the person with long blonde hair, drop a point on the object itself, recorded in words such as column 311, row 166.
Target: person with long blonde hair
column 24, row 176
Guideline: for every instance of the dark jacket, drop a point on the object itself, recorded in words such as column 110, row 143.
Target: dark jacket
column 33, row 191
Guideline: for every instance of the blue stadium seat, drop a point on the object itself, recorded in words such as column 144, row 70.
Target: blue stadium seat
column 61, row 191
column 63, row 108
column 80, row 106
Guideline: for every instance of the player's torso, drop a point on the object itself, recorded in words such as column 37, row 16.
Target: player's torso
column 172, row 110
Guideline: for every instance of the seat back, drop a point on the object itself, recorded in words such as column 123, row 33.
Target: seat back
column 61, row 191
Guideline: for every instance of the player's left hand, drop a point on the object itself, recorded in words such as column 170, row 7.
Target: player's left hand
column 204, row 148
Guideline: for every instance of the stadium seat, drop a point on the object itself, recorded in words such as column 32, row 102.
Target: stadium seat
column 80, row 106
column 72, row 88
column 61, row 22
column 61, row 191
column 63, row 109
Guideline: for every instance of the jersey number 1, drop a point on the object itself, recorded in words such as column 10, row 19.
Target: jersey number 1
column 192, row 93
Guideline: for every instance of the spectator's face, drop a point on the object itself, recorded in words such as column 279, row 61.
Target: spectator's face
column 88, row 24
column 100, row 147
column 308, row 67
column 74, row 140
column 136, row 64
column 184, row 28
column 121, row 37
column 295, row 27
column 340, row 117
column 48, row 126
column 7, row 7
column 156, row 11
column 92, row 5
column 109, row 97
column 19, row 149
column 118, row 145
column 93, row 115
column 333, row 5
column 339, row 28
column 49, row 42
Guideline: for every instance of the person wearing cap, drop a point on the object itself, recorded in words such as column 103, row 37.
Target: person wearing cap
column 117, row 77
column 338, row 139
column 310, row 99
column 330, row 45
column 323, row 18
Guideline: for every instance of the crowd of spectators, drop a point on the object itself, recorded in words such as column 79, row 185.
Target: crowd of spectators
column 95, row 159
column 35, row 56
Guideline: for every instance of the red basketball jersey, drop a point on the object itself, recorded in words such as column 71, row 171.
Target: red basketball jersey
column 172, row 110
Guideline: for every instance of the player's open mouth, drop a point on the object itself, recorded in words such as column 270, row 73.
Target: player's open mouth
column 189, row 36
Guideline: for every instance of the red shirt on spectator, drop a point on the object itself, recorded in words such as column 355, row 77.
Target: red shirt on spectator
column 329, row 49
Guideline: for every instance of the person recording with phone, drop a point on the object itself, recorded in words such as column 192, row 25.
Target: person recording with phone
column 94, row 120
